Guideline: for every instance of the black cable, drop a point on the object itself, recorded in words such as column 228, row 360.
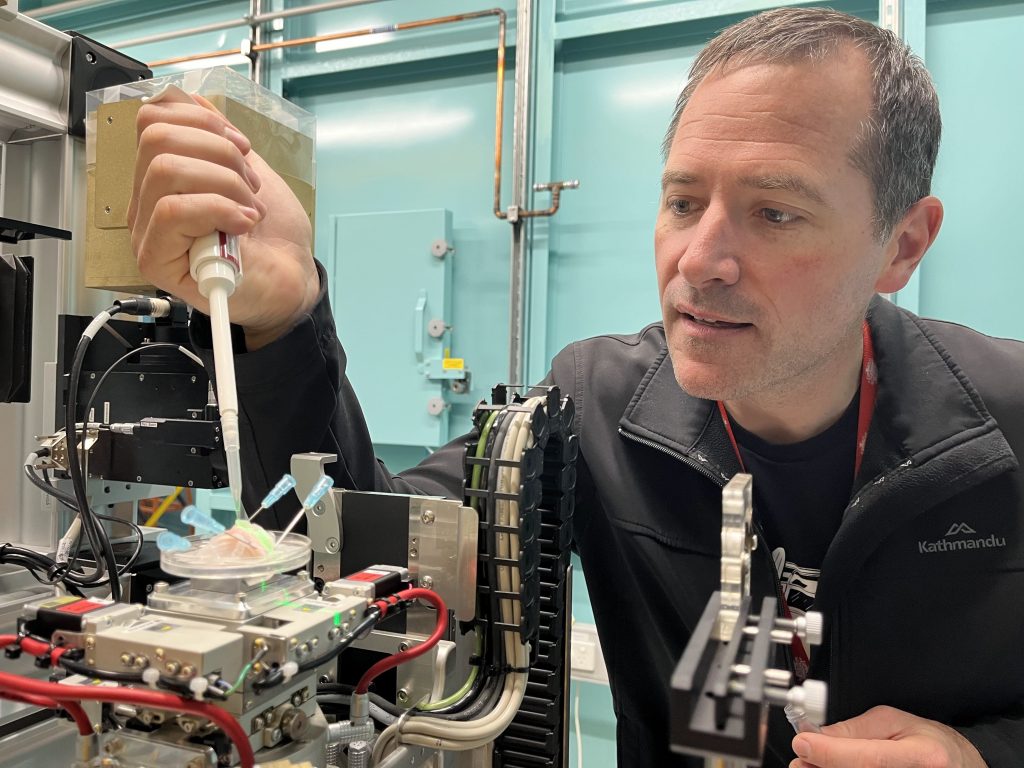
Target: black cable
column 345, row 692
column 100, row 674
column 47, row 487
column 471, row 696
column 88, row 410
column 275, row 677
column 372, row 617
column 172, row 684
column 94, row 530
column 485, row 699
column 73, row 562
column 335, row 689
column 65, row 498
column 139, row 537
column 125, row 356
column 33, row 562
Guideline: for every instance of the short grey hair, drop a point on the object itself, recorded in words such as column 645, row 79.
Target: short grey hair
column 899, row 139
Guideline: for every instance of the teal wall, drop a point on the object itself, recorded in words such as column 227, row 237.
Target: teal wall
column 406, row 122
column 975, row 271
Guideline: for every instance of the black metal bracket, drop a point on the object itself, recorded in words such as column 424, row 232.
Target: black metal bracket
column 95, row 66
column 13, row 231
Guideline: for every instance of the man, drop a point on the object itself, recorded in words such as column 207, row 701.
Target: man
column 795, row 188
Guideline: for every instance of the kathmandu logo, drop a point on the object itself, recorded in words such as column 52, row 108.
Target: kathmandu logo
column 956, row 528
column 961, row 531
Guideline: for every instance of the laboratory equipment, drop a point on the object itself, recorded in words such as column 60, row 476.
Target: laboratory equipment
column 723, row 684
column 233, row 655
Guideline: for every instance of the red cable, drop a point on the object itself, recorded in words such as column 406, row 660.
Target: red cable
column 403, row 656
column 39, row 648
column 72, row 708
column 21, row 686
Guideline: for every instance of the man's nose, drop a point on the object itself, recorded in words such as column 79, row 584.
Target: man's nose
column 711, row 256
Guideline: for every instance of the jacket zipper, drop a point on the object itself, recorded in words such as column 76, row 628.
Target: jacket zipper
column 780, row 599
column 675, row 454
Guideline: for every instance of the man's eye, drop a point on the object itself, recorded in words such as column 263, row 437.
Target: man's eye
column 680, row 206
column 775, row 216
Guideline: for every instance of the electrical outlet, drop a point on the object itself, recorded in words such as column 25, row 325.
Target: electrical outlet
column 585, row 657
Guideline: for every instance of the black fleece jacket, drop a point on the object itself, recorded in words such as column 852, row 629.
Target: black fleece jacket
column 922, row 587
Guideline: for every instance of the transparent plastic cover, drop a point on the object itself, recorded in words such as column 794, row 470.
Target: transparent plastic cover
column 199, row 563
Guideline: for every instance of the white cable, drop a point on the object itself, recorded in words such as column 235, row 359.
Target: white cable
column 382, row 744
column 576, row 722
column 463, row 735
column 67, row 541
column 192, row 356
column 97, row 323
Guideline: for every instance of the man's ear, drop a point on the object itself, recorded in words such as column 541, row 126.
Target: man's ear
column 910, row 240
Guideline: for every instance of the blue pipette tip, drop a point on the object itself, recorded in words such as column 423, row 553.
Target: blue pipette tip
column 323, row 485
column 202, row 522
column 285, row 484
column 168, row 541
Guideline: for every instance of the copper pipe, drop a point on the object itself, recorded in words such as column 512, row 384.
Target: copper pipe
column 499, row 108
column 555, row 188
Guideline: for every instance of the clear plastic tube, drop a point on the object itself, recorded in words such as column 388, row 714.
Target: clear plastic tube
column 799, row 720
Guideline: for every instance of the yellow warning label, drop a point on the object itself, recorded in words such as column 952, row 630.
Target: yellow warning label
column 59, row 601
column 453, row 364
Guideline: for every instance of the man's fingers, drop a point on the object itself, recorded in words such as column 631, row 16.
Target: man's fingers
column 876, row 723
column 171, row 175
column 191, row 115
column 164, row 139
column 176, row 221
column 837, row 752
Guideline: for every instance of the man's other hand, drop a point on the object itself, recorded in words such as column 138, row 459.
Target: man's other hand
column 885, row 737
column 195, row 174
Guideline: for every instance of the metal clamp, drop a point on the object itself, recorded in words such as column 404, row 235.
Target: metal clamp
column 324, row 520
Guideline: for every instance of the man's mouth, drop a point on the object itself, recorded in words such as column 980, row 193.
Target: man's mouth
column 712, row 323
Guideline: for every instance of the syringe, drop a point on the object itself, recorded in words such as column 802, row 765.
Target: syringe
column 323, row 485
column 284, row 485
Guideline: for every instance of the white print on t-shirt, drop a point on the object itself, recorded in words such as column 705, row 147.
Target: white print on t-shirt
column 798, row 584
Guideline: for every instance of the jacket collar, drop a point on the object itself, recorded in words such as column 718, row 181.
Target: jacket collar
column 929, row 422
column 661, row 412
column 925, row 406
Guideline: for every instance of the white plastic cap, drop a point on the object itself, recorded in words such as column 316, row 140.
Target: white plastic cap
column 814, row 627
column 150, row 676
column 289, row 669
column 198, row 686
column 813, row 698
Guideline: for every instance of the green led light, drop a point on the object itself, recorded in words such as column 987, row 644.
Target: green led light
column 337, row 619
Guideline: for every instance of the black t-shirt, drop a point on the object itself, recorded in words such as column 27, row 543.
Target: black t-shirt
column 800, row 493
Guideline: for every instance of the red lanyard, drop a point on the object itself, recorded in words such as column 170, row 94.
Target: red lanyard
column 868, row 392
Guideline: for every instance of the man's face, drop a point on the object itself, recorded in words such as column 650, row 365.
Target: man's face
column 766, row 227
